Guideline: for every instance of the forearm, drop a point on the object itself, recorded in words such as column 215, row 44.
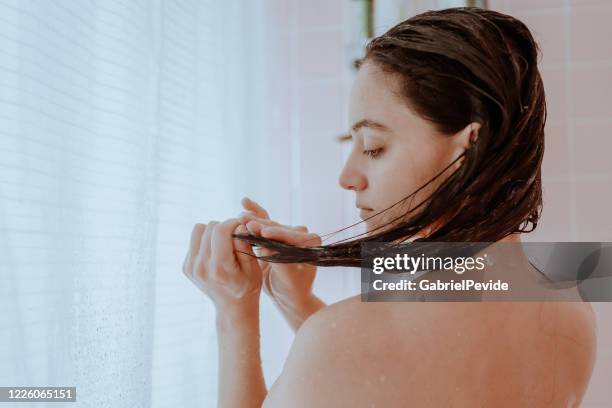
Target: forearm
column 241, row 380
column 297, row 312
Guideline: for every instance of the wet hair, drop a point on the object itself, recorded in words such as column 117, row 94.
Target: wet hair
column 457, row 66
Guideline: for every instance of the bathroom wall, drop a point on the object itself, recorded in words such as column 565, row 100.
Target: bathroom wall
column 311, row 78
column 577, row 70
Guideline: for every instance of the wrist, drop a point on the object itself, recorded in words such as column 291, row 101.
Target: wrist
column 296, row 303
column 235, row 315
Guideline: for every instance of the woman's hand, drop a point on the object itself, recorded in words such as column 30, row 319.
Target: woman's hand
column 288, row 284
column 215, row 265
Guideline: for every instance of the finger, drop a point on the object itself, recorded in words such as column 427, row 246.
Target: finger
column 291, row 236
column 245, row 217
column 254, row 227
column 205, row 249
column 194, row 247
column 196, row 238
column 244, row 252
column 188, row 265
column 251, row 205
column 222, row 247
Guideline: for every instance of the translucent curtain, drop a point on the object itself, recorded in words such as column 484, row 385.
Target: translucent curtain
column 120, row 126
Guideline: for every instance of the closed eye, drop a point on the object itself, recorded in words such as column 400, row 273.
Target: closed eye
column 373, row 153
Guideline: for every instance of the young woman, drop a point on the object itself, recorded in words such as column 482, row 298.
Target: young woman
column 447, row 126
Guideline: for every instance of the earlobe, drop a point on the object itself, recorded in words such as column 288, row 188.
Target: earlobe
column 474, row 131
column 466, row 138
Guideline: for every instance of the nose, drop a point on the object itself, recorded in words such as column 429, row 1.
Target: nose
column 351, row 177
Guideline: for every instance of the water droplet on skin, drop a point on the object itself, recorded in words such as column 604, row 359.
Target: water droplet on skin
column 382, row 378
column 333, row 325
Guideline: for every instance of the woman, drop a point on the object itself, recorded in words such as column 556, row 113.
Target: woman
column 447, row 106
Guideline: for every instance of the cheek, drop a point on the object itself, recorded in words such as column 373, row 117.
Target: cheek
column 403, row 175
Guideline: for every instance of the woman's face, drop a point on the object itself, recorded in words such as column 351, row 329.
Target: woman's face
column 394, row 151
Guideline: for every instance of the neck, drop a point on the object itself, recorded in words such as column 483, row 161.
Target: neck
column 509, row 259
column 511, row 238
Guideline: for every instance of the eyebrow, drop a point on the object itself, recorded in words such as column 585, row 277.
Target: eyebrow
column 361, row 124
column 368, row 123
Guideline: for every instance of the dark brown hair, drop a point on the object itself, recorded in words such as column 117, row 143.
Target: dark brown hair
column 457, row 66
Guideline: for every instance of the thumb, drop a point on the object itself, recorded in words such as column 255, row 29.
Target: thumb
column 244, row 252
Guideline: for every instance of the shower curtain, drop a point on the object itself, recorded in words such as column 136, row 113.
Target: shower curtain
column 122, row 123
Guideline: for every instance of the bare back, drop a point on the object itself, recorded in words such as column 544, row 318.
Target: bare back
column 439, row 354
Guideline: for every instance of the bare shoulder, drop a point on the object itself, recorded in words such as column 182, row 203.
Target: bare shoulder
column 433, row 354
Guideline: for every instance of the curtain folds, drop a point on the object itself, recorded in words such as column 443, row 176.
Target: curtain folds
column 122, row 123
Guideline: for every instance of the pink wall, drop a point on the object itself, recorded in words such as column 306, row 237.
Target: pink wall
column 311, row 78
column 308, row 93
column 577, row 71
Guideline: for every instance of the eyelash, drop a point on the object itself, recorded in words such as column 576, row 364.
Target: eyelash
column 373, row 154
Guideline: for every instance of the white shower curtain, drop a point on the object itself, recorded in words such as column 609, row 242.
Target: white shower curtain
column 122, row 123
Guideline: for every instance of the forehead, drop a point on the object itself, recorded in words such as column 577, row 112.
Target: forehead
column 376, row 95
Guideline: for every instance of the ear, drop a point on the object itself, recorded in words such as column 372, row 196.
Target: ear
column 464, row 138
column 468, row 134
